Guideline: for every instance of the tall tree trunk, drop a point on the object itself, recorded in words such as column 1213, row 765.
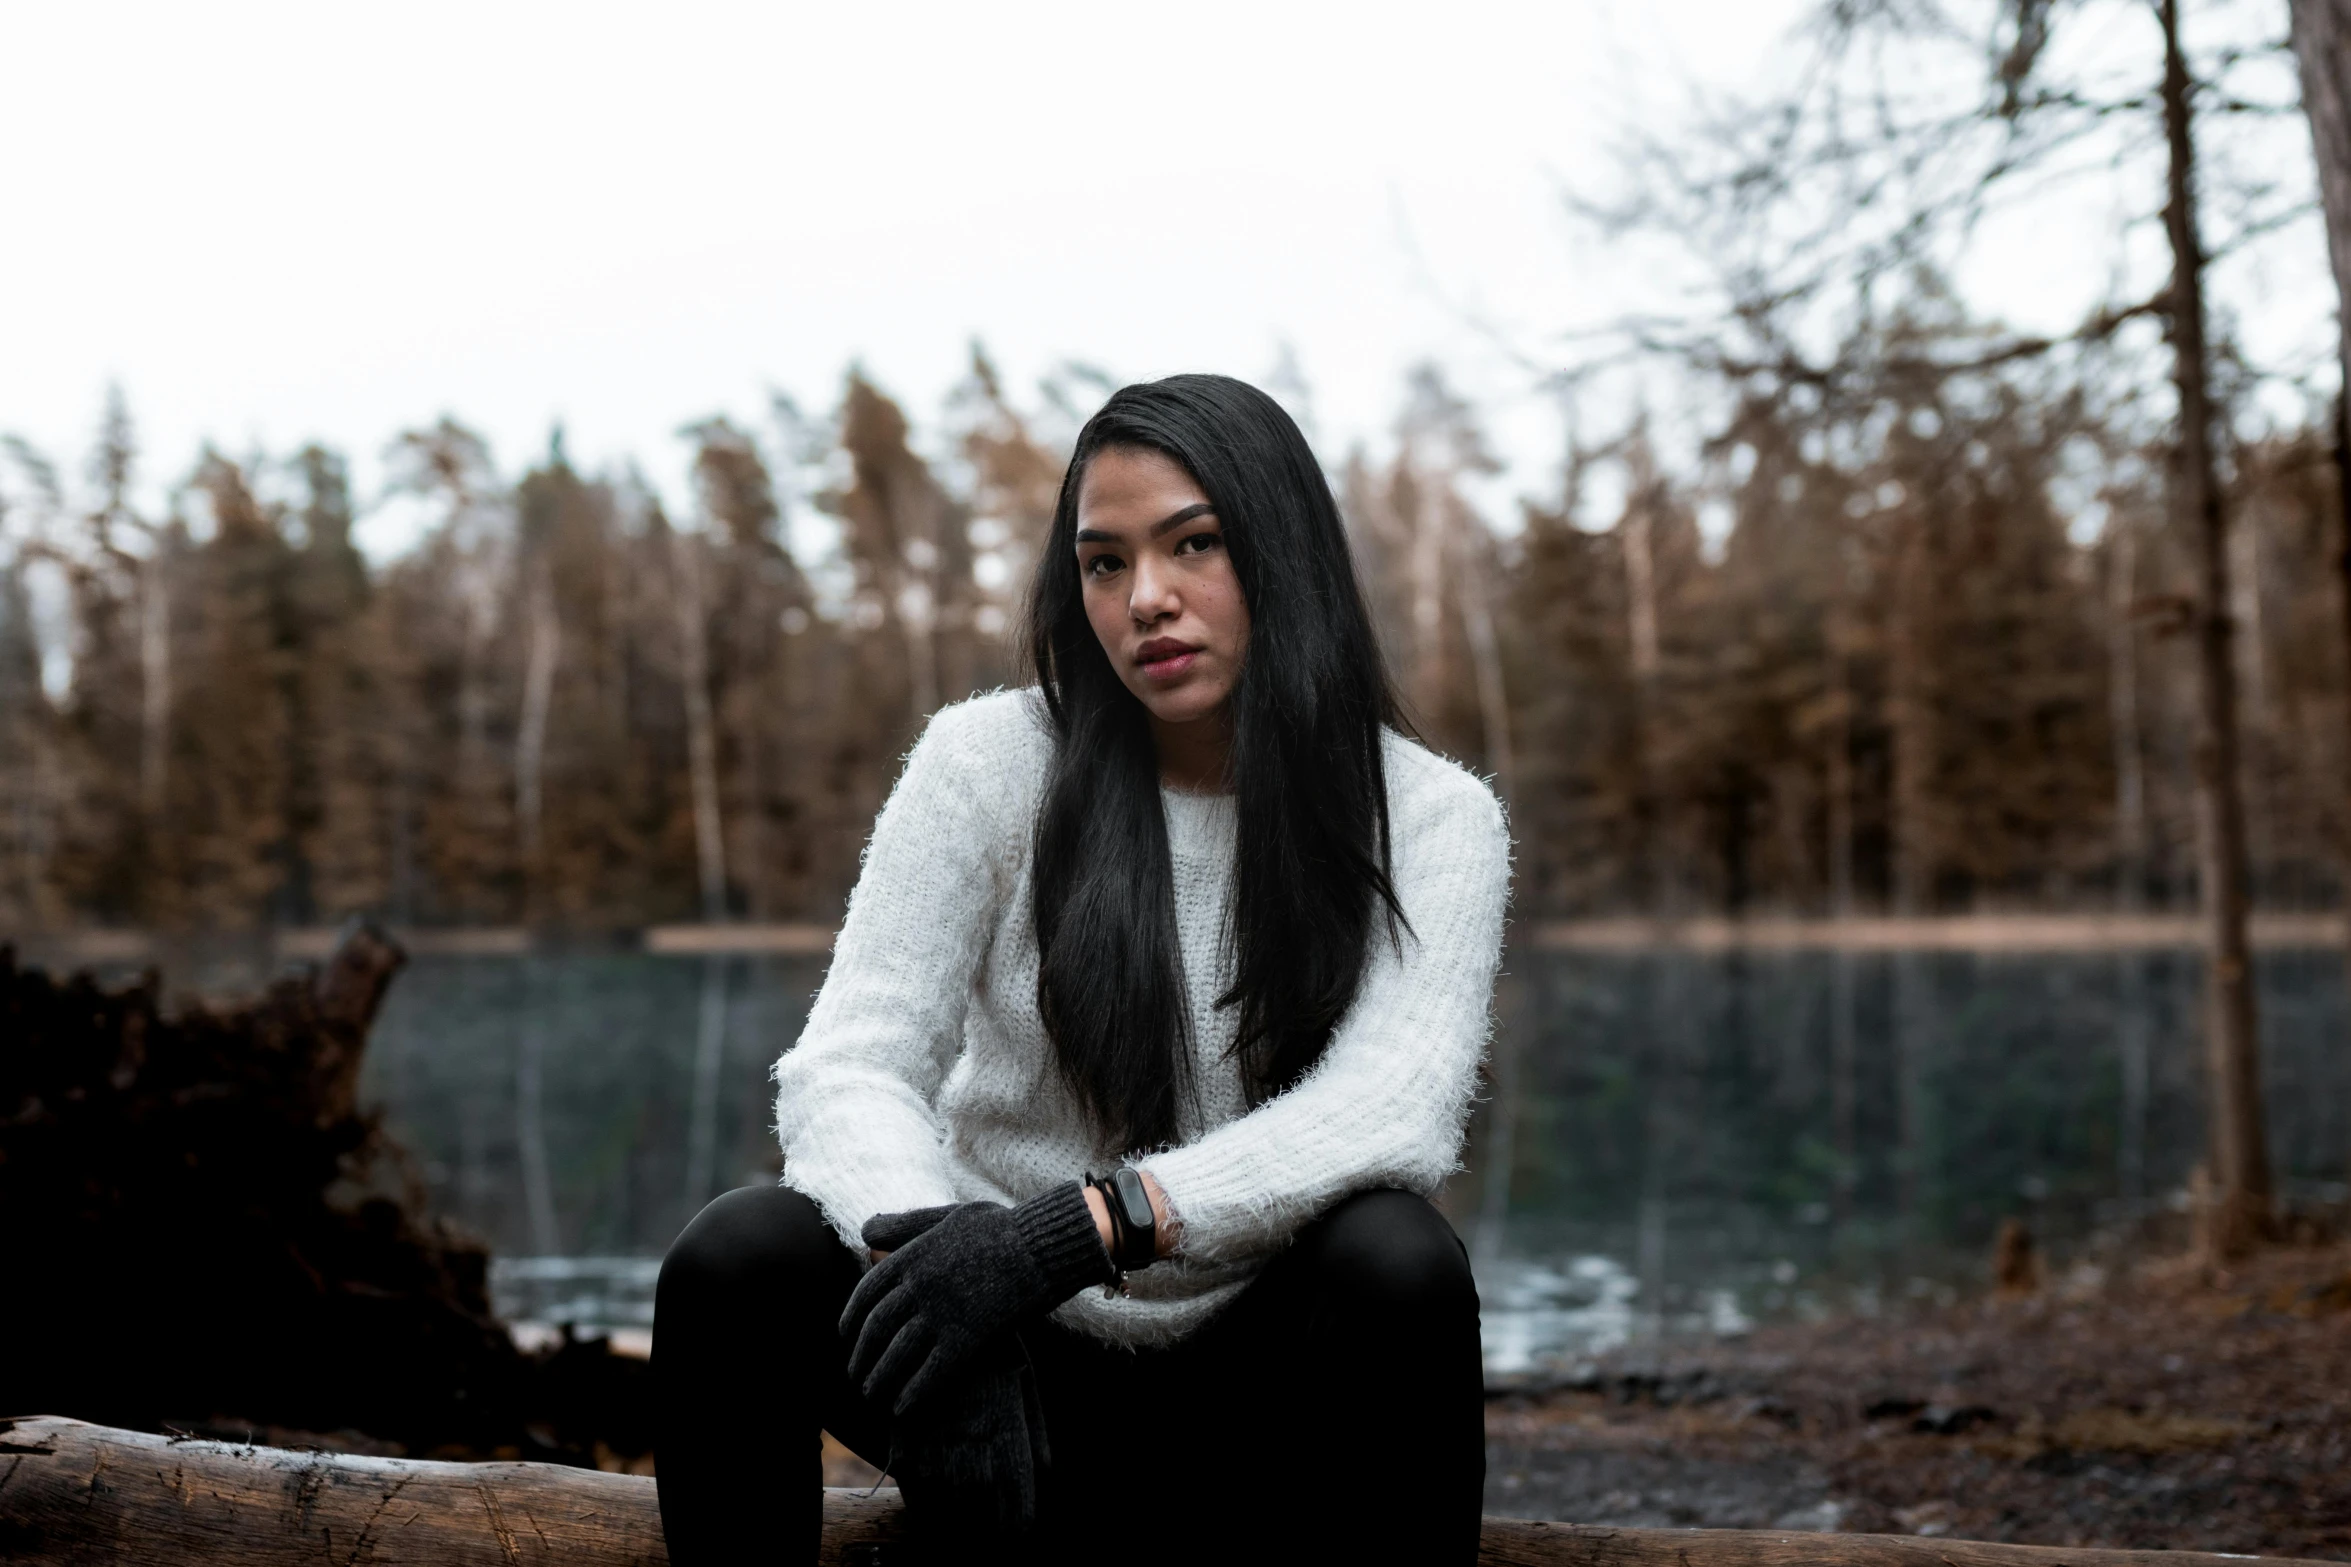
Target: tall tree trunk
column 917, row 615
column 2122, row 712
column 2322, row 46
column 710, row 853
column 1914, row 748
column 477, row 778
column 530, row 741
column 2239, row 1143
column 2343, row 603
column 154, row 683
column 24, row 725
column 1660, row 1012
column 402, row 831
column 1640, row 574
column 2266, row 811
column 1637, row 538
column 701, row 728
column 1844, row 1105
column 1473, row 588
column 1428, row 589
column 2130, row 858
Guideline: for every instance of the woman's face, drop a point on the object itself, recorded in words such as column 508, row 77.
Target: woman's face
column 1159, row 586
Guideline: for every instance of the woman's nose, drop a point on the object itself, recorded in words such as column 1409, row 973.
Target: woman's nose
column 1154, row 596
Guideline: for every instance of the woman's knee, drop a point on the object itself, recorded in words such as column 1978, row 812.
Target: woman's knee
column 751, row 1237
column 1394, row 1250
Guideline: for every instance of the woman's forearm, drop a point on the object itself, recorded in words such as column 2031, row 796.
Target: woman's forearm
column 1385, row 1104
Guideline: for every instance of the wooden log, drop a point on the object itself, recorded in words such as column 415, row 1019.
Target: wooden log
column 73, row 1493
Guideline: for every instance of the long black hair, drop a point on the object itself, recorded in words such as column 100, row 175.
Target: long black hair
column 1312, row 867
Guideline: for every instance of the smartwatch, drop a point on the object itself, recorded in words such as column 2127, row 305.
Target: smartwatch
column 1134, row 1228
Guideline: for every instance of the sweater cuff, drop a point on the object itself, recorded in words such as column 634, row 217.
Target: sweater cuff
column 1059, row 1230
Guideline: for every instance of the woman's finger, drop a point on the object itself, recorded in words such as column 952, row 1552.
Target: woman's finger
column 937, row 1363
column 889, row 1231
column 879, row 1280
column 891, row 1313
column 907, row 1352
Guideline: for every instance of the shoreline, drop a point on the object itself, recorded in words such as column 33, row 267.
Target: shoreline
column 2164, row 1405
column 2022, row 932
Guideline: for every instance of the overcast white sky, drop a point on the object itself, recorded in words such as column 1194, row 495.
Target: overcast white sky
column 278, row 223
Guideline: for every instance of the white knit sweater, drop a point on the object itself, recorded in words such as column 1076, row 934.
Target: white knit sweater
column 924, row 1075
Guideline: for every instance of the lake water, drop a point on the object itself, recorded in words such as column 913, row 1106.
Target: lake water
column 1695, row 1142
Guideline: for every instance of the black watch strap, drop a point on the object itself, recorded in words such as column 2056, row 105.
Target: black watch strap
column 1132, row 1223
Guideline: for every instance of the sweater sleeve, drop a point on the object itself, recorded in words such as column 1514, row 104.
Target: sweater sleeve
column 856, row 1096
column 1386, row 1103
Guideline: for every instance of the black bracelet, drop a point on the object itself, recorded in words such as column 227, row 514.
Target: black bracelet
column 1116, row 1284
column 1118, row 1239
column 1134, row 1226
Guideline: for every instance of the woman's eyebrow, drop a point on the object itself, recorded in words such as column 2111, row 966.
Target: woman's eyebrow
column 1174, row 519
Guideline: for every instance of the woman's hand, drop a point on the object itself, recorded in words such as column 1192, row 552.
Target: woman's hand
column 965, row 1277
column 884, row 1233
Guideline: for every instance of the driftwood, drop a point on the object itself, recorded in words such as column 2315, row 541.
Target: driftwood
column 77, row 1493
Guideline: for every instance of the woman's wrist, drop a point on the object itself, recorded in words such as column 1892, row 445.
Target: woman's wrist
column 1163, row 1225
column 1100, row 1209
column 1163, row 1231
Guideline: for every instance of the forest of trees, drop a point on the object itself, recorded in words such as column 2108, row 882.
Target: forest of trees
column 1931, row 617
column 1903, row 663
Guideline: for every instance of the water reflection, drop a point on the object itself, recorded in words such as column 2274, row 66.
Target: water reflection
column 1764, row 1135
column 1672, row 1143
column 577, row 1076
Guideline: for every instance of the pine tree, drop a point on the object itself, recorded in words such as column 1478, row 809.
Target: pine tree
column 231, row 794
column 911, row 547
column 452, row 832
column 343, row 695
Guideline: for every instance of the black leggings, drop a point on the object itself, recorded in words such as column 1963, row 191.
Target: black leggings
column 1335, row 1407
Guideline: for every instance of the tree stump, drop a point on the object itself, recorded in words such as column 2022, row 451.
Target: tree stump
column 205, row 1229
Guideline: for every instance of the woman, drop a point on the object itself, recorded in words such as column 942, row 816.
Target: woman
column 1153, row 1024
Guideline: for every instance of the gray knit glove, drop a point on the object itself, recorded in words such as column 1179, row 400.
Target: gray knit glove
column 924, row 1309
column 970, row 1455
column 889, row 1231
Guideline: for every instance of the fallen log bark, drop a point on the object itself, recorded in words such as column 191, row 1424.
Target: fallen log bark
column 74, row 1493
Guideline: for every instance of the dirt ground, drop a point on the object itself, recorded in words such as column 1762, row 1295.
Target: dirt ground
column 2158, row 1405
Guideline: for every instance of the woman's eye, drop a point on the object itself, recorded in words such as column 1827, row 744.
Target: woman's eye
column 1199, row 544
column 1100, row 565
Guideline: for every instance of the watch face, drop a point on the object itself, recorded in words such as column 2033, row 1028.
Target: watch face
column 1133, row 1200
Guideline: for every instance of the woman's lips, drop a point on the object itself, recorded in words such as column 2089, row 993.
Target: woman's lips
column 1166, row 661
